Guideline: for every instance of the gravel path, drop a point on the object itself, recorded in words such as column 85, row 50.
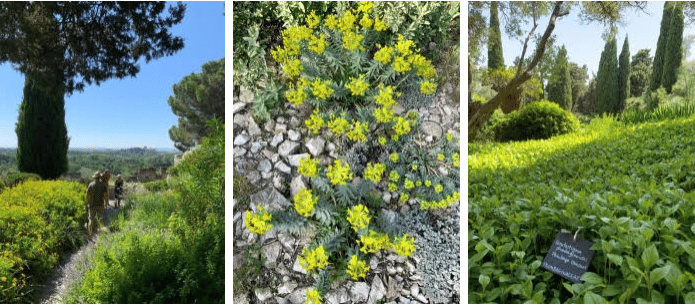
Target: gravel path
column 56, row 284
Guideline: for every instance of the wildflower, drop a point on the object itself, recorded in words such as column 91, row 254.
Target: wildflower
column 438, row 188
column 304, row 202
column 357, row 85
column 385, row 97
column 449, row 136
column 347, row 22
column 358, row 217
column 380, row 25
column 303, row 83
column 374, row 172
column 313, row 20
column 358, row 131
column 307, row 167
column 313, row 297
column 394, row 137
column 393, row 157
column 316, row 258
column 292, row 68
column 331, row 22
column 404, row 245
column 383, row 115
column 455, row 159
column 382, row 141
column 357, row 268
column 440, row 157
column 318, row 44
column 339, row 173
column 427, row 88
column 383, row 55
column 412, row 115
column 365, row 7
column 404, row 198
column 392, row 187
column 351, row 41
column 338, row 125
column 259, row 222
column 373, row 242
column 428, row 183
column 404, row 46
column 402, row 126
column 314, row 123
column 408, row 184
column 296, row 96
column 400, row 65
column 422, row 65
column 321, row 90
column 418, row 183
column 279, row 54
column 394, row 176
column 365, row 22
column 414, row 167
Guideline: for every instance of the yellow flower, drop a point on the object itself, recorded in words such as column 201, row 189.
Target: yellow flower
column 307, row 167
column 357, row 268
column 414, row 167
column 400, row 65
column 392, row 187
column 316, row 258
column 408, row 184
column 422, row 65
column 440, row 157
column 279, row 54
column 418, row 183
column 394, row 176
column 358, row 131
column 374, row 172
column 357, row 85
column 358, row 217
column 351, row 41
column 404, row 245
column 296, row 96
column 304, row 202
column 314, row 123
column 402, row 126
column 393, row 157
column 383, row 115
column 365, row 22
column 318, row 44
column 331, row 22
column 259, row 222
column 347, row 22
column 403, row 46
column 380, row 25
column 385, row 97
column 338, row 125
column 313, row 297
column 404, row 198
column 455, row 159
column 438, row 188
column 365, row 7
column 292, row 68
column 373, row 242
column 382, row 140
column 313, row 20
column 427, row 88
column 428, row 183
column 383, row 55
column 449, row 136
column 321, row 90
column 339, row 173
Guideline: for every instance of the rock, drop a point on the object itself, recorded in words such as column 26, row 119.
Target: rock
column 410, row 267
column 377, row 290
column 271, row 198
column 252, row 127
column 404, row 209
column 271, row 252
column 297, row 185
column 386, row 197
column 297, row 267
column 241, row 140
column 421, row 298
column 298, row 296
column 282, row 167
column 373, row 263
column 240, row 299
column 279, row 182
column 293, row 135
column 281, row 120
column 263, row 294
column 403, row 300
column 281, row 300
column 315, row 146
column 269, row 126
column 337, row 296
column 359, row 292
column 325, row 160
column 280, row 128
column 287, row 287
column 405, row 292
column 443, row 170
column 239, row 151
column 398, row 109
column 432, row 128
column 414, row 290
column 265, row 166
column 277, row 139
column 287, row 242
column 294, row 159
column 287, row 148
column 245, row 96
column 255, row 147
column 253, row 176
column 294, row 121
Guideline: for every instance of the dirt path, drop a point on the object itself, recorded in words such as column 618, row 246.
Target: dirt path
column 56, row 283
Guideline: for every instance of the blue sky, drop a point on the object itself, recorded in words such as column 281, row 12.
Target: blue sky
column 584, row 42
column 129, row 112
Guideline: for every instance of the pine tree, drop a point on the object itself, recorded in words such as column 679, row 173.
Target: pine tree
column 495, row 60
column 607, row 78
column 623, row 76
column 42, row 136
column 673, row 53
column 658, row 64
column 560, row 83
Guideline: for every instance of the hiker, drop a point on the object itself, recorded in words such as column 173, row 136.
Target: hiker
column 97, row 198
column 105, row 177
column 119, row 190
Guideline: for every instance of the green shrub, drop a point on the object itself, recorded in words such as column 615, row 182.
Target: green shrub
column 13, row 179
column 656, row 98
column 538, row 120
column 156, row 186
column 635, row 103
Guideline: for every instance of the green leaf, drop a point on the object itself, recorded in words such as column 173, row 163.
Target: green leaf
column 650, row 256
column 484, row 280
column 615, row 259
column 592, row 298
column 692, row 228
column 658, row 273
column 537, row 263
column 568, row 286
column 689, row 298
column 612, row 290
column 592, row 278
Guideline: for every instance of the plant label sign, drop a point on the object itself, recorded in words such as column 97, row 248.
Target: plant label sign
column 568, row 258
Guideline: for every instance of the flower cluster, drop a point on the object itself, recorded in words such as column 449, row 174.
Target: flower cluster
column 358, row 217
column 308, row 167
column 357, row 268
column 321, row 89
column 315, row 122
column 259, row 222
column 374, row 172
column 357, row 85
column 358, row 131
column 304, row 202
column 441, row 204
column 338, row 125
column 404, row 246
column 373, row 242
column 313, row 297
column 339, row 173
column 316, row 258
column 393, row 157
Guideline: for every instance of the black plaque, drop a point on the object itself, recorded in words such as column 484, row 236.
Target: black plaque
column 568, row 258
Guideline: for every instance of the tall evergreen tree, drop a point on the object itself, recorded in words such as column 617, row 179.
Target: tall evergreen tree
column 640, row 72
column 42, row 136
column 495, row 60
column 673, row 54
column 658, row 65
column 560, row 83
column 579, row 77
column 623, row 76
column 607, row 78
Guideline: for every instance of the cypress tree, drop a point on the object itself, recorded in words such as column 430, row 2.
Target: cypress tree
column 607, row 78
column 658, row 64
column 623, row 76
column 495, row 60
column 673, row 54
column 42, row 136
column 560, row 83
